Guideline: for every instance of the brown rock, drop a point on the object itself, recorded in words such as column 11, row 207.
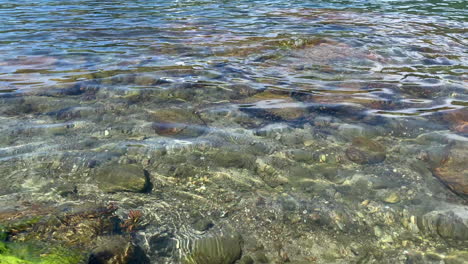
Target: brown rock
column 453, row 171
column 458, row 120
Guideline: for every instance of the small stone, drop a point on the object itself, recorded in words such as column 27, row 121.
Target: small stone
column 392, row 197
column 322, row 158
column 122, row 178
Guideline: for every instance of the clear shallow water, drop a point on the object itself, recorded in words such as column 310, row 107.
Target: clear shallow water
column 249, row 115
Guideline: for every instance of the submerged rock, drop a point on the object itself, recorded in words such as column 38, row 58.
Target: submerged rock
column 270, row 175
column 451, row 223
column 176, row 122
column 350, row 131
column 239, row 91
column 117, row 250
column 325, row 52
column 122, row 178
column 458, row 120
column 232, row 158
column 218, row 249
column 365, row 151
column 453, row 171
column 274, row 105
column 203, row 224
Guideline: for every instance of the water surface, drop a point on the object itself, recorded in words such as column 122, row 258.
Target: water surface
column 304, row 131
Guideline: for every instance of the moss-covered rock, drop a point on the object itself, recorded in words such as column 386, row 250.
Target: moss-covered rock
column 17, row 224
column 38, row 253
column 71, row 229
column 30, row 237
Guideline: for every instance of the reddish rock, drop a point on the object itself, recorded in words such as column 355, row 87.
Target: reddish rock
column 453, row 171
column 458, row 120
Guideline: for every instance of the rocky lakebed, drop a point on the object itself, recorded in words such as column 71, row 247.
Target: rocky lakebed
column 213, row 145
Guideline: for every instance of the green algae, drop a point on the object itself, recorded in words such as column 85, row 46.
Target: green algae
column 19, row 225
column 3, row 234
column 28, row 253
column 63, row 239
